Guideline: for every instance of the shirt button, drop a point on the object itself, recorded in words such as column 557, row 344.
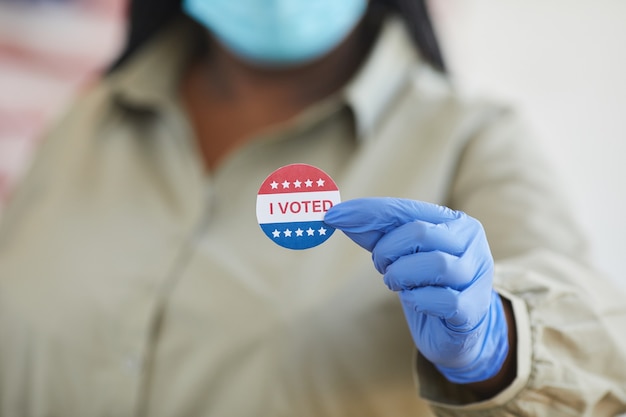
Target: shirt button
column 132, row 363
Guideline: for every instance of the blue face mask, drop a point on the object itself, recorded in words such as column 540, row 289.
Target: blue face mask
column 278, row 32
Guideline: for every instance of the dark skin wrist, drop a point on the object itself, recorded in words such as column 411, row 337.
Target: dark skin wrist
column 492, row 386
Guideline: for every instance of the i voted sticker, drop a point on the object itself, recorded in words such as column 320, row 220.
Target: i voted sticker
column 291, row 204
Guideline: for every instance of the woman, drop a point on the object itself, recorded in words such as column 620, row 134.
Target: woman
column 134, row 279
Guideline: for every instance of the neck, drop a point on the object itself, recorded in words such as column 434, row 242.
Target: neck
column 230, row 100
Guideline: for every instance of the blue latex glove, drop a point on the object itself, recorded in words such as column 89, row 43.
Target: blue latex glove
column 439, row 262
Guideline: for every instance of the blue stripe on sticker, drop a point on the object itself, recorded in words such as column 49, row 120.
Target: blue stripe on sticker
column 298, row 235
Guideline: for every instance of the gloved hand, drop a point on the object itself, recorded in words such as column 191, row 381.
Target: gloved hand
column 439, row 262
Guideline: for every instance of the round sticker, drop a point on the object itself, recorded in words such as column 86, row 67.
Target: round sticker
column 291, row 204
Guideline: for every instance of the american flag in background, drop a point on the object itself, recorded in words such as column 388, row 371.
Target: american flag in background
column 49, row 51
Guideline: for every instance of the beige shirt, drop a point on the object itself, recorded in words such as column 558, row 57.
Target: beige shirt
column 132, row 284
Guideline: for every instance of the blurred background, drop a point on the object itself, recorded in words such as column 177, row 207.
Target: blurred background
column 562, row 63
column 50, row 50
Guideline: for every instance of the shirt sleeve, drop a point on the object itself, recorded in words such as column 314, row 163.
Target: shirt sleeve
column 570, row 319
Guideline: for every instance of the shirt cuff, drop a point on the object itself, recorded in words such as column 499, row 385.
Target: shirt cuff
column 440, row 392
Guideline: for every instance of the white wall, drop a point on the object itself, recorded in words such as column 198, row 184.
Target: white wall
column 563, row 63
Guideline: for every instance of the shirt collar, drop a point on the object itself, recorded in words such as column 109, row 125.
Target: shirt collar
column 151, row 78
column 386, row 70
column 152, row 75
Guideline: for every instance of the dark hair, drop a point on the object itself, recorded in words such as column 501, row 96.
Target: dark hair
column 148, row 16
column 420, row 26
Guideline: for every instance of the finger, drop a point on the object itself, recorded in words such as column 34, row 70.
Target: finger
column 462, row 310
column 440, row 302
column 365, row 220
column 428, row 269
column 417, row 236
column 384, row 213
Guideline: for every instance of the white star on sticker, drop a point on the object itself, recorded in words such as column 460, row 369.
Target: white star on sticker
column 299, row 232
column 274, row 185
column 310, row 232
column 276, row 233
column 308, row 183
column 322, row 231
column 288, row 233
column 297, row 184
column 320, row 182
column 286, row 184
